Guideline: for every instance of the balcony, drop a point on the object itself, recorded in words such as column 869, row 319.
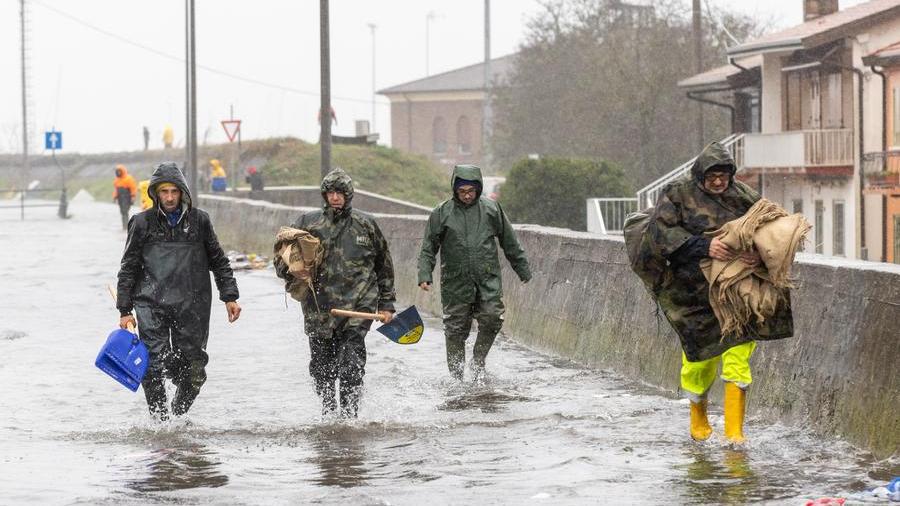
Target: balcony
column 882, row 169
column 799, row 151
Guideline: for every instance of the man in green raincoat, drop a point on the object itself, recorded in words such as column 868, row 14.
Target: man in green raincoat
column 465, row 229
column 677, row 238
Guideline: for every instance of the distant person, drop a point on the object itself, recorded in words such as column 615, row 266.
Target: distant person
column 168, row 137
column 465, row 230
column 356, row 273
column 146, row 138
column 218, row 178
column 254, row 177
column 146, row 201
column 164, row 277
column 124, row 193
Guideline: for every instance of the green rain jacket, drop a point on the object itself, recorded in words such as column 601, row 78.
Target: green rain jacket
column 684, row 214
column 356, row 273
column 467, row 237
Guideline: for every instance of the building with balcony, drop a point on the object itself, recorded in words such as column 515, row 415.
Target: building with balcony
column 807, row 112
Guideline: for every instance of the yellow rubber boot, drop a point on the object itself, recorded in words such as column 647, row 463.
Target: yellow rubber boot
column 735, row 403
column 700, row 429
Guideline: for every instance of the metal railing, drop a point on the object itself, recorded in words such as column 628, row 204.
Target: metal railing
column 62, row 206
column 647, row 195
column 607, row 215
column 881, row 163
column 828, row 147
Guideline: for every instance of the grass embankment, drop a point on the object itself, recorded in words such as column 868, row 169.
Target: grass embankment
column 376, row 169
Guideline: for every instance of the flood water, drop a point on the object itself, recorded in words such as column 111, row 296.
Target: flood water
column 540, row 430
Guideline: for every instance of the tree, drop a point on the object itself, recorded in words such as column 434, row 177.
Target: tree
column 552, row 191
column 598, row 79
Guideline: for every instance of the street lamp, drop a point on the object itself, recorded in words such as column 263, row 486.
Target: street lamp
column 372, row 27
column 432, row 15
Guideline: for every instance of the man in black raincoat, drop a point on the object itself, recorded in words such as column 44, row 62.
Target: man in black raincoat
column 687, row 211
column 164, row 278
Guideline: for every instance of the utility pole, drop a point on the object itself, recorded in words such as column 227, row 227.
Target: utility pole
column 190, row 143
column 25, row 161
column 325, row 111
column 486, row 103
column 372, row 27
column 698, row 66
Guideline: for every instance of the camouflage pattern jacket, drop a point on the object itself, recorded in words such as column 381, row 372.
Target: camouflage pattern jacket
column 356, row 272
column 685, row 212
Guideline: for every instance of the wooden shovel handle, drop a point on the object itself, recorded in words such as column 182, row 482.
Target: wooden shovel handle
column 357, row 314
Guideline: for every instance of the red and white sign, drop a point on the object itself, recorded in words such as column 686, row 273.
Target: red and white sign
column 232, row 128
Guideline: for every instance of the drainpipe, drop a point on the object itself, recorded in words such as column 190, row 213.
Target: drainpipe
column 862, row 203
column 693, row 96
column 884, row 122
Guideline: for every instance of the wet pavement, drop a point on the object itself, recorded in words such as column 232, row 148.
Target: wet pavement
column 539, row 430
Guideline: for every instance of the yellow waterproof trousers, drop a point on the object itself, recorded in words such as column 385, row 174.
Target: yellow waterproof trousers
column 697, row 377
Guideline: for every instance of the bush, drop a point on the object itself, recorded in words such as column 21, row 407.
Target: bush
column 552, row 191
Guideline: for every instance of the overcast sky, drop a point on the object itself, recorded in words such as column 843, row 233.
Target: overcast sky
column 101, row 69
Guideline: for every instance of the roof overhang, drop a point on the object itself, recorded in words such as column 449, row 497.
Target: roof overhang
column 736, row 75
column 783, row 46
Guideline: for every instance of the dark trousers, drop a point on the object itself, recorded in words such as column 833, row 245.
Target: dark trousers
column 457, row 325
column 177, row 346
column 338, row 355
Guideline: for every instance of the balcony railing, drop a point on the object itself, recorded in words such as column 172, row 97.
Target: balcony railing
column 882, row 162
column 799, row 149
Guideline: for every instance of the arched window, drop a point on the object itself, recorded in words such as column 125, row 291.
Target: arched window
column 439, row 136
column 464, row 135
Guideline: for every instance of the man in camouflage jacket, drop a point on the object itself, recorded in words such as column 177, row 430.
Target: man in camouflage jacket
column 465, row 229
column 686, row 212
column 357, row 274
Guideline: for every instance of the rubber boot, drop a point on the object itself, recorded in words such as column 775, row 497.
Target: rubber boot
column 349, row 398
column 456, row 356
column 700, row 429
column 184, row 399
column 735, row 403
column 480, row 352
column 155, row 392
column 326, row 393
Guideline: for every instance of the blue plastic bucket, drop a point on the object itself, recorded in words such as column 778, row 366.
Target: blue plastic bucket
column 125, row 358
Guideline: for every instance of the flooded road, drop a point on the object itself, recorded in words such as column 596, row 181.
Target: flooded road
column 540, row 430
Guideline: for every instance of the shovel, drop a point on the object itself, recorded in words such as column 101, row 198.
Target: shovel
column 405, row 328
column 124, row 357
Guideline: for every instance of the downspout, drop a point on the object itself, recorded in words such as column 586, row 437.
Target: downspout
column 884, row 122
column 862, row 203
column 691, row 95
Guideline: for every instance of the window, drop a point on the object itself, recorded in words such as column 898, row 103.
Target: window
column 464, row 136
column 793, row 101
column 797, row 205
column 838, row 228
column 439, row 136
column 813, row 100
column 832, row 105
column 818, row 230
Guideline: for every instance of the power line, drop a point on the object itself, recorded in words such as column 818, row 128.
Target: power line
column 209, row 69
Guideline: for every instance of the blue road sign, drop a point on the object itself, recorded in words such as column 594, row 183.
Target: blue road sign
column 53, row 140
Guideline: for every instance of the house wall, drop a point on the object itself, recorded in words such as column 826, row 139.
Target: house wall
column 772, row 103
column 413, row 118
column 785, row 189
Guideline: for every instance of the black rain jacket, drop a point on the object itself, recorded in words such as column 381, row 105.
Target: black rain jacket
column 168, row 268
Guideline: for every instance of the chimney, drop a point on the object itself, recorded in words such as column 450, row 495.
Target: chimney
column 813, row 9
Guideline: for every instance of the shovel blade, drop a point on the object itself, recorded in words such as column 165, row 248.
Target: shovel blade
column 405, row 328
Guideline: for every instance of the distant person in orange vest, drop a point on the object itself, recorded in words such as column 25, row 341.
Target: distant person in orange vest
column 168, row 137
column 124, row 192
column 146, row 138
column 218, row 179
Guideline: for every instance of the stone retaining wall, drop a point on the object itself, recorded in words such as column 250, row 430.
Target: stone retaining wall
column 838, row 375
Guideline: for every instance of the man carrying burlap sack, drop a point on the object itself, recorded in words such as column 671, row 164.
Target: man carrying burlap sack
column 679, row 237
column 337, row 258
